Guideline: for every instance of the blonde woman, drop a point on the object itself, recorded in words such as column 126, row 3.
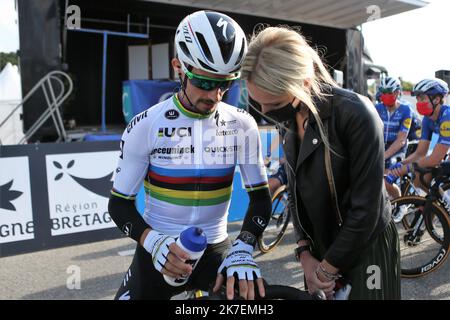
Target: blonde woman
column 346, row 235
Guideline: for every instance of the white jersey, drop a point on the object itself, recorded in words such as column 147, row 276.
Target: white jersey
column 187, row 163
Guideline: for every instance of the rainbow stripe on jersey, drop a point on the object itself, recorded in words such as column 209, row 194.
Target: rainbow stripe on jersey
column 190, row 187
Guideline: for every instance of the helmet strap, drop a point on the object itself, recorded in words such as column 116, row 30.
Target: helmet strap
column 191, row 106
column 432, row 103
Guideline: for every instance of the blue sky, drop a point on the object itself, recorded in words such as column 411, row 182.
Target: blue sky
column 412, row 45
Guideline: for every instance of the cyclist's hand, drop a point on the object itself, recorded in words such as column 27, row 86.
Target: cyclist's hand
column 398, row 171
column 167, row 257
column 395, row 166
column 310, row 265
column 240, row 261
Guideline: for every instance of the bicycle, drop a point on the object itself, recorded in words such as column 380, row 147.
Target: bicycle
column 278, row 223
column 424, row 232
column 406, row 185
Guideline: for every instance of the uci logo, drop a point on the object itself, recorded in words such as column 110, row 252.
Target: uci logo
column 172, row 114
column 171, row 132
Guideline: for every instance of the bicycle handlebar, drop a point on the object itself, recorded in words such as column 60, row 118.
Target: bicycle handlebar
column 422, row 172
column 273, row 292
column 290, row 293
column 440, row 173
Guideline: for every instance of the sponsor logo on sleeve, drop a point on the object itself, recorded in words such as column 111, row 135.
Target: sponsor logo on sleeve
column 136, row 120
column 419, row 133
column 407, row 123
column 260, row 221
column 445, row 129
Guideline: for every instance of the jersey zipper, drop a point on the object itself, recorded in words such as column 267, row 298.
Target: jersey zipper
column 198, row 150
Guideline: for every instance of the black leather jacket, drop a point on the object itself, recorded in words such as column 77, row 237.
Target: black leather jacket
column 355, row 132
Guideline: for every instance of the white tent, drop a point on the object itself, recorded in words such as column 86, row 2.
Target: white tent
column 10, row 88
column 10, row 96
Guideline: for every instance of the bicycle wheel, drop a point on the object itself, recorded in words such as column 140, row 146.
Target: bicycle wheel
column 420, row 252
column 278, row 223
column 436, row 234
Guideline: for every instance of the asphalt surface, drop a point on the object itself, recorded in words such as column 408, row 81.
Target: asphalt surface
column 100, row 267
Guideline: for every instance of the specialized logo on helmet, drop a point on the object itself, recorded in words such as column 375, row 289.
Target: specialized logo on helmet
column 223, row 23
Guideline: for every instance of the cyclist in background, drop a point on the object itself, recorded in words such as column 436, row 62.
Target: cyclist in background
column 279, row 178
column 430, row 94
column 396, row 117
column 185, row 150
column 415, row 131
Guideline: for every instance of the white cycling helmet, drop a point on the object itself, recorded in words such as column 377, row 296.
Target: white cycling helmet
column 430, row 87
column 210, row 41
column 391, row 83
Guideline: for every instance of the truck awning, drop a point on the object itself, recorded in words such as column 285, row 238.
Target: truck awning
column 341, row 14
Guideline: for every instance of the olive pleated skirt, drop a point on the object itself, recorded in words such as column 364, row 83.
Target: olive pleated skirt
column 377, row 275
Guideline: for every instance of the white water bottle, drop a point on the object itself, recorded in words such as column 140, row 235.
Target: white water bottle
column 193, row 242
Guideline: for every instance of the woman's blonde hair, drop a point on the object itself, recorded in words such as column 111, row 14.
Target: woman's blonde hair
column 279, row 61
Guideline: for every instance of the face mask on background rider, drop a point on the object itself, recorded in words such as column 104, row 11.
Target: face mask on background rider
column 388, row 99
column 426, row 108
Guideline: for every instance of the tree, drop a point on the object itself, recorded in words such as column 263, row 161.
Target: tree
column 8, row 57
column 406, row 85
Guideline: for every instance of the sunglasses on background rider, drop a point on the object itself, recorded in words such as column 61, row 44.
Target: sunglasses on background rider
column 386, row 91
column 208, row 84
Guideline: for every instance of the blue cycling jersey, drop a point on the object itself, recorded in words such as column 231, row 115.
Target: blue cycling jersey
column 441, row 126
column 395, row 122
column 416, row 127
column 416, row 123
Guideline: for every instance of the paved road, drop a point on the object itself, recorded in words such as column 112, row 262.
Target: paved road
column 101, row 266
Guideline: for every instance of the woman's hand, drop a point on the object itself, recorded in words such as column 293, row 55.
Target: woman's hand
column 314, row 283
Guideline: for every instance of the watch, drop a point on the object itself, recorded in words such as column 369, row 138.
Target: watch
column 247, row 238
column 299, row 250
